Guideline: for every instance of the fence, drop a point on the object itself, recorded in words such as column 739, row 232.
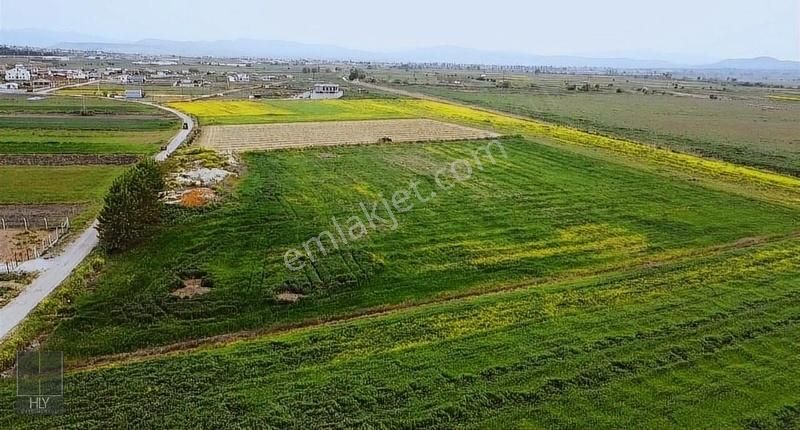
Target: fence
column 27, row 223
column 36, row 251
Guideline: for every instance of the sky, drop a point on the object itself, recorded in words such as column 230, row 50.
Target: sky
column 691, row 29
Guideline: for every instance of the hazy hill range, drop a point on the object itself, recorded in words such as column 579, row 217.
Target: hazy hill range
column 294, row 50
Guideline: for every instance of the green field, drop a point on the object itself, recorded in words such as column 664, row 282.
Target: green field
column 744, row 130
column 542, row 214
column 706, row 343
column 570, row 280
column 49, row 126
column 86, row 123
column 67, row 184
column 16, row 141
column 12, row 104
column 274, row 111
column 54, row 125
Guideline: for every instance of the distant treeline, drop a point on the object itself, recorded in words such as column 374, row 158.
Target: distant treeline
column 14, row 51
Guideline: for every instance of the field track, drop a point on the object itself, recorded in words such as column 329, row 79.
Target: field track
column 242, row 138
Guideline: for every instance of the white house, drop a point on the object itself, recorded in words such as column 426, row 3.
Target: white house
column 18, row 73
column 322, row 91
column 134, row 94
column 132, row 79
column 238, row 77
column 9, row 86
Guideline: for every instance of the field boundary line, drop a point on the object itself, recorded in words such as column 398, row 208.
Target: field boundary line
column 222, row 340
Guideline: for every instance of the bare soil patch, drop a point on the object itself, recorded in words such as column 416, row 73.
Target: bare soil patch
column 289, row 297
column 197, row 197
column 15, row 242
column 191, row 288
column 241, row 138
column 15, row 215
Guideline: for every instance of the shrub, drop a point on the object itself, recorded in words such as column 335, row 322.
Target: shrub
column 356, row 74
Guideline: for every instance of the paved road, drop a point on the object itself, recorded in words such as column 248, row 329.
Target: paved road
column 179, row 138
column 53, row 271
column 51, row 277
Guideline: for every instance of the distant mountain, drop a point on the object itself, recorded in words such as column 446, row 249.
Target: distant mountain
column 454, row 54
column 44, row 38
column 759, row 63
column 294, row 50
column 283, row 49
column 224, row 48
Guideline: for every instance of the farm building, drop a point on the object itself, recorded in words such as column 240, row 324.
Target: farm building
column 41, row 83
column 238, row 77
column 132, row 79
column 9, row 86
column 134, row 94
column 18, row 73
column 323, row 91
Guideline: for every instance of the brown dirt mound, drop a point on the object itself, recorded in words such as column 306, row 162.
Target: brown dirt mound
column 191, row 288
column 197, row 197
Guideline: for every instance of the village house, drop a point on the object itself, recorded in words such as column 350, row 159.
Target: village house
column 238, row 77
column 134, row 94
column 18, row 73
column 322, row 91
column 132, row 79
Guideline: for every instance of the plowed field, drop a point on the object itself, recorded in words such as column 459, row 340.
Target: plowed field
column 243, row 138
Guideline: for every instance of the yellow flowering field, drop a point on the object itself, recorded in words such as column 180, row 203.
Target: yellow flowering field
column 764, row 184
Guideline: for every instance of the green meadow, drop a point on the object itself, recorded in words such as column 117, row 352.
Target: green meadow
column 709, row 343
column 538, row 215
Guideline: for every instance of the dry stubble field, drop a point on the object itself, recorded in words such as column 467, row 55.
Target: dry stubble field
column 242, row 138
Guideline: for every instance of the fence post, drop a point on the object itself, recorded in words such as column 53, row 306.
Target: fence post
column 45, row 223
column 25, row 220
column 4, row 223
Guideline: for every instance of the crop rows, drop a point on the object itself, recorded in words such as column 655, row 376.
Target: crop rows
column 541, row 213
column 240, row 138
column 574, row 354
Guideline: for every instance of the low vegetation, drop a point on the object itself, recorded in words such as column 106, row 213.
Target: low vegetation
column 55, row 184
column 594, row 354
column 745, row 130
column 538, row 215
column 552, row 278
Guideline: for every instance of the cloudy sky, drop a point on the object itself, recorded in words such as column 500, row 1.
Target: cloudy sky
column 710, row 29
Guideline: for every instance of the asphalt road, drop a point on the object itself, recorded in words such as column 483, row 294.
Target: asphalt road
column 53, row 271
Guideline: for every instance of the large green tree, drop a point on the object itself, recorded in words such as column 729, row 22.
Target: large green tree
column 132, row 207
